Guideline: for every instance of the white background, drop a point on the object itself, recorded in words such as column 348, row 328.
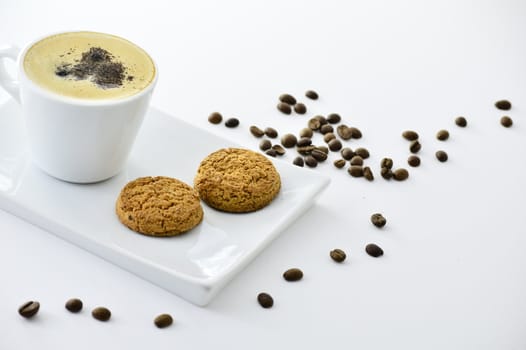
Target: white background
column 454, row 271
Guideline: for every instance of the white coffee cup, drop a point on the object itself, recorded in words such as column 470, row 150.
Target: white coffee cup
column 72, row 139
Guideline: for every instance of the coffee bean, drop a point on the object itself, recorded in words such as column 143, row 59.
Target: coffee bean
column 311, row 161
column 506, row 121
column 232, row 122
column 163, row 320
column 368, row 173
column 503, row 105
column 415, row 146
column 441, row 156
column 347, row 153
column 321, row 119
column 323, row 149
column 289, row 140
column 335, row 145
column 356, row 160
column 279, row 150
column 29, row 309
column 293, row 274
column 314, row 124
column 288, row 99
column 338, row 255
column 378, row 220
column 400, row 174
column 461, row 121
column 300, row 108
column 413, row 161
column 256, row 132
column 386, row 163
column 386, row 173
column 355, row 133
column 284, row 108
column 374, row 250
column 271, row 132
column 74, row 305
column 304, row 141
column 362, row 152
column 313, row 95
column 319, row 155
column 298, row 161
column 305, row 150
column 101, row 313
column 306, row 132
column 339, row 163
column 326, row 128
column 265, row 300
column 271, row 152
column 355, row 171
column 329, row 136
column 215, row 118
column 344, row 132
column 410, row 135
column 334, row 118
column 442, row 135
column 265, row 145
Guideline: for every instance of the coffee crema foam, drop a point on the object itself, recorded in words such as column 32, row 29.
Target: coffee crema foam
column 44, row 59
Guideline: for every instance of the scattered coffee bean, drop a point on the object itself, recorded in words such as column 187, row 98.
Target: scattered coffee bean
column 298, row 161
column 323, row 149
column 335, row 145
column 400, row 174
column 319, row 155
column 441, row 156
column 163, row 320
column 215, row 118
column 338, row 255
column 355, row 171
column 368, row 173
column 313, row 95
column 279, row 150
column 356, row 160
column 304, row 141
column 355, row 133
column 300, row 108
column 311, row 161
column 347, row 153
column 265, row 145
column 101, row 313
column 314, row 124
column 378, row 220
column 232, row 122
column 289, row 140
column 362, row 152
column 386, row 163
column 306, row 132
column 288, row 99
column 284, row 108
column 415, row 146
column 29, row 309
column 265, row 300
column 374, row 250
column 257, row 132
column 321, row 119
column 413, row 161
column 305, row 150
column 74, row 305
column 344, row 132
column 334, row 118
column 339, row 163
column 503, row 105
column 461, row 121
column 271, row 152
column 410, row 135
column 386, row 173
column 329, row 136
column 293, row 274
column 442, row 135
column 271, row 132
column 326, row 128
column 506, row 121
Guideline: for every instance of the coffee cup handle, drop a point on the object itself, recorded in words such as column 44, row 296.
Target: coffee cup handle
column 9, row 83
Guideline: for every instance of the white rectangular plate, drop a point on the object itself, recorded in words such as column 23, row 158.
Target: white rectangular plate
column 195, row 265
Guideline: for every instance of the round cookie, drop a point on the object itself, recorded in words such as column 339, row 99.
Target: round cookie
column 237, row 180
column 159, row 206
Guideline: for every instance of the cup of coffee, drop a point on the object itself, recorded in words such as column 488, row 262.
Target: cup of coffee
column 83, row 96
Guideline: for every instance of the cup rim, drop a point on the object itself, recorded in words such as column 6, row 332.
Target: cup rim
column 75, row 100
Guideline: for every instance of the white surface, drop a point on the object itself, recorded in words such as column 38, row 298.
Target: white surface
column 195, row 265
column 454, row 271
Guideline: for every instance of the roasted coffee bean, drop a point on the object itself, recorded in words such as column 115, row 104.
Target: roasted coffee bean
column 329, row 136
column 362, row 152
column 74, row 305
column 311, row 161
column 415, row 146
column 289, row 140
column 413, row 161
column 319, row 155
column 265, row 145
column 313, row 95
column 256, row 132
column 368, row 173
column 442, row 135
column 335, row 145
column 355, row 171
column 503, row 105
column 338, row 255
column 441, row 156
column 314, row 124
column 298, row 161
column 356, row 160
column 306, row 132
column 232, row 122
column 300, row 108
column 378, row 220
column 288, row 99
column 326, row 128
column 461, row 121
column 215, row 118
column 386, row 163
column 334, row 118
column 271, row 152
column 305, row 150
column 344, row 132
column 347, row 153
column 506, row 121
column 400, row 174
column 265, row 300
column 101, row 313
column 386, row 173
column 271, row 132
column 322, row 119
column 284, row 108
column 410, row 135
column 293, row 274
column 323, row 149
column 29, row 309
column 279, row 150
column 163, row 321
column 304, row 141
column 374, row 250
column 339, row 163
column 355, row 133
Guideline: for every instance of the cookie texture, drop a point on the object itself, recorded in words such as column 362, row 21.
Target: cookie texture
column 159, row 206
column 237, row 180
